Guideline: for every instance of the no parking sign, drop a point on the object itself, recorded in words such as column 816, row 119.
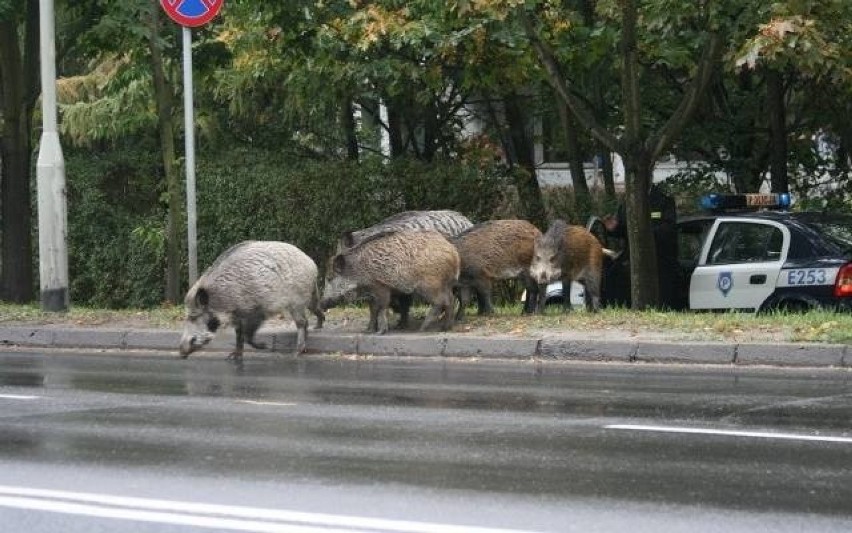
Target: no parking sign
column 192, row 13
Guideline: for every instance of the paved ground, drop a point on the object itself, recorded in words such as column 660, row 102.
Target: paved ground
column 611, row 344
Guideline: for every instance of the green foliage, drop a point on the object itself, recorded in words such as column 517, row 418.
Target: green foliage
column 117, row 216
column 560, row 203
column 111, row 264
column 251, row 195
column 689, row 185
column 811, row 36
column 5, row 9
column 126, row 112
column 279, row 75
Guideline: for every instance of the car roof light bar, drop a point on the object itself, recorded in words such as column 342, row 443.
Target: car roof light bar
column 719, row 201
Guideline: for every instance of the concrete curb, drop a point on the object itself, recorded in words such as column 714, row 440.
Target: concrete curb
column 548, row 347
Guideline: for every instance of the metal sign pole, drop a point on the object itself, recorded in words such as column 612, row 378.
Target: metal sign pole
column 50, row 177
column 189, row 129
column 190, row 15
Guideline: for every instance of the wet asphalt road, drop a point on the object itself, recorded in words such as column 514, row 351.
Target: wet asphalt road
column 418, row 445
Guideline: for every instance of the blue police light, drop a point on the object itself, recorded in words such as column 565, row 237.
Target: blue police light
column 718, row 201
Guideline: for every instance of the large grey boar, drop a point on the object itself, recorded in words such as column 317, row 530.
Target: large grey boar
column 491, row 251
column 400, row 262
column 247, row 284
column 446, row 222
column 569, row 253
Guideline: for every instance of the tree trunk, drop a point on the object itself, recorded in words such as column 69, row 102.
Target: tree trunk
column 606, row 171
column 19, row 79
column 638, row 169
column 777, row 109
column 164, row 95
column 746, row 153
column 397, row 145
column 430, row 133
column 347, row 119
column 522, row 154
column 644, row 283
column 637, row 147
column 582, row 197
column 15, row 151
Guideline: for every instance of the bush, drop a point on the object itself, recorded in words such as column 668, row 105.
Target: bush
column 109, row 195
column 245, row 196
column 117, row 210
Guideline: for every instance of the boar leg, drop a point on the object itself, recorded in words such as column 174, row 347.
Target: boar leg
column 316, row 309
column 245, row 327
column 566, row 295
column 251, row 323
column 300, row 317
column 464, row 301
column 483, row 296
column 237, row 354
column 379, row 309
column 448, row 310
column 592, row 284
column 373, row 324
column 531, row 303
column 542, row 298
column 401, row 303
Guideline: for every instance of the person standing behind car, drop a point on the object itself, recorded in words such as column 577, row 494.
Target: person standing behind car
column 663, row 225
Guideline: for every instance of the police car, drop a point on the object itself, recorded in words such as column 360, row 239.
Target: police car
column 749, row 253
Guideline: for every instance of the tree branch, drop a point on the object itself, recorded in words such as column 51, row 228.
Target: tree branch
column 564, row 89
column 661, row 141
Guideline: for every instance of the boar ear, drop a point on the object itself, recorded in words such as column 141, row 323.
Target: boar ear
column 202, row 298
column 348, row 239
column 339, row 263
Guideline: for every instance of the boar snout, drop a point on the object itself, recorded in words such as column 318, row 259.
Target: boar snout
column 540, row 274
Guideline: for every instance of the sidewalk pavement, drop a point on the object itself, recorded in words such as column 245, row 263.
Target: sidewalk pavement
column 613, row 346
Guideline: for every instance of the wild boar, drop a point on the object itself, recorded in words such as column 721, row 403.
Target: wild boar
column 247, row 284
column 445, row 222
column 399, row 262
column 495, row 250
column 569, row 253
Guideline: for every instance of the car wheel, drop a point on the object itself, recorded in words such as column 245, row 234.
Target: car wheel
column 793, row 304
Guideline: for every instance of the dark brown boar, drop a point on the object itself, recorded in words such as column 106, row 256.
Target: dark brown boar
column 568, row 253
column 399, row 262
column 495, row 250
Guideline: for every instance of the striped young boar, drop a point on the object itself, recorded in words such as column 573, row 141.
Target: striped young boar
column 401, row 262
column 247, row 284
column 495, row 250
column 445, row 222
column 569, row 253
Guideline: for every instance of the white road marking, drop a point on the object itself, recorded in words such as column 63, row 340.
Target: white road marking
column 18, row 397
column 256, row 402
column 732, row 433
column 235, row 518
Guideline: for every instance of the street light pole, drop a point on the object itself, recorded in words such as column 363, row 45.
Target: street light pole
column 50, row 176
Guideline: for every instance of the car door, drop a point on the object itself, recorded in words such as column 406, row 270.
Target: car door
column 739, row 264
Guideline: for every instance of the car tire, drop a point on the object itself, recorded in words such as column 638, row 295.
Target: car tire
column 791, row 304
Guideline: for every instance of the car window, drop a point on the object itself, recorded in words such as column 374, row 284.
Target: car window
column 836, row 230
column 745, row 242
column 690, row 237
